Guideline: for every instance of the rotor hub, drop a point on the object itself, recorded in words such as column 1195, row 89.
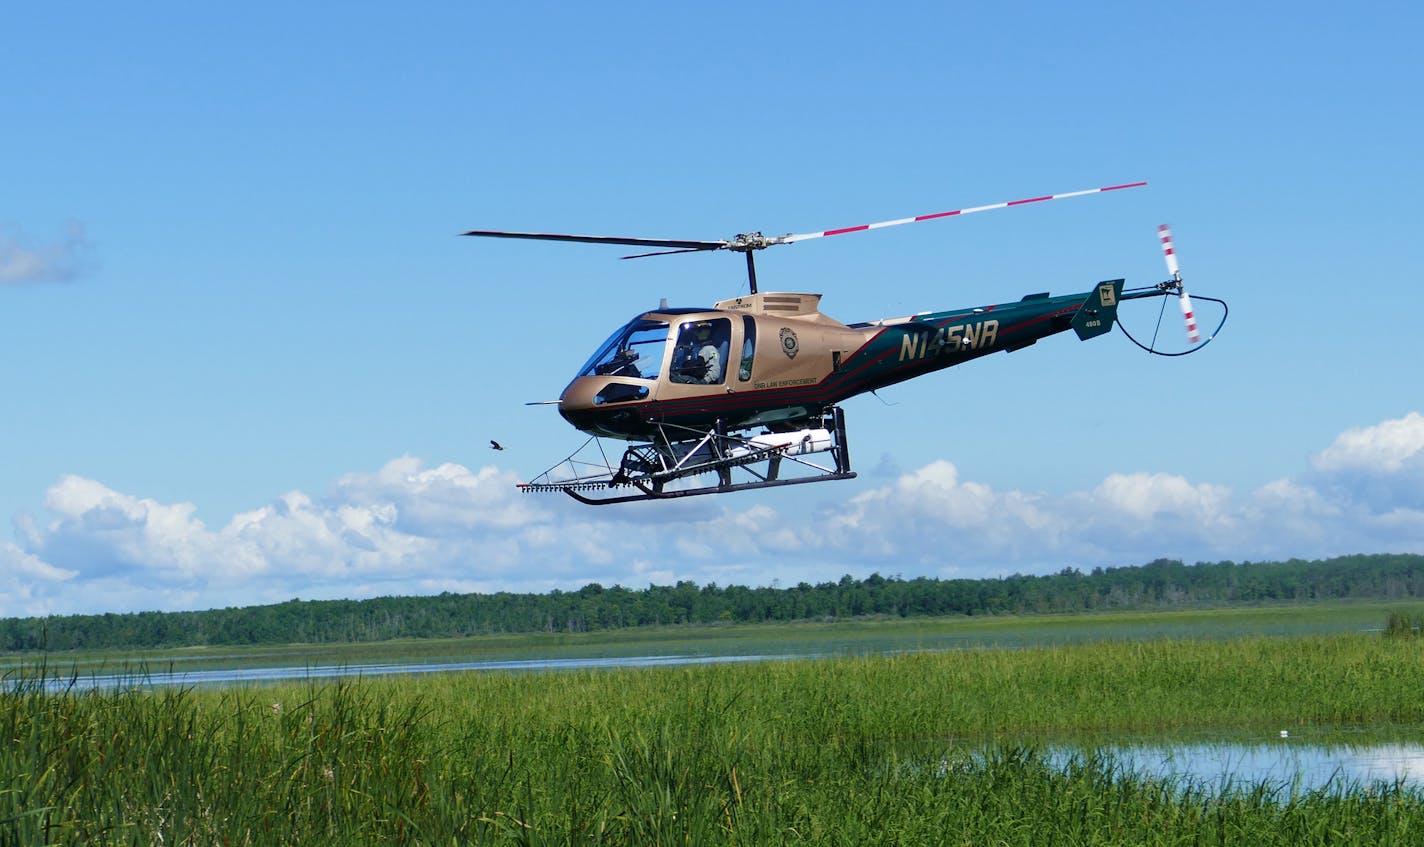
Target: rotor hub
column 748, row 241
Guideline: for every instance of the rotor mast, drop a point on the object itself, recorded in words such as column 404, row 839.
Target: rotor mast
column 749, row 243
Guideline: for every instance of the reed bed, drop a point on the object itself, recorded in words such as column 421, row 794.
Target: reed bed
column 909, row 749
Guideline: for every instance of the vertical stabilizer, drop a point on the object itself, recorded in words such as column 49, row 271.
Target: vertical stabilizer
column 1099, row 311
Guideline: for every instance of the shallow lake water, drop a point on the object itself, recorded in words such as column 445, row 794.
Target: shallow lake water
column 147, row 678
column 1287, row 764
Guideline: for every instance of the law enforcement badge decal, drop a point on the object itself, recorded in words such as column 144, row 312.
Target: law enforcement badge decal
column 789, row 344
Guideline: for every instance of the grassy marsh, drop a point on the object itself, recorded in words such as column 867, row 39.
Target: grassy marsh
column 849, row 750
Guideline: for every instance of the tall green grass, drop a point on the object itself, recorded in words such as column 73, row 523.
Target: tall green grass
column 1403, row 625
column 843, row 751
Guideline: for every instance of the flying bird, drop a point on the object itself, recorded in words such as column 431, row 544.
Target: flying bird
column 496, row 445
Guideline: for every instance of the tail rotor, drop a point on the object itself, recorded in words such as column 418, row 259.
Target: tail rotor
column 1169, row 252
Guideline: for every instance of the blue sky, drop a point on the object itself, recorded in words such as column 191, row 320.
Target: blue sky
column 245, row 357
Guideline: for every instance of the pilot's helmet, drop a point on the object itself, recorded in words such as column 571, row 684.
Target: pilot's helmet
column 702, row 330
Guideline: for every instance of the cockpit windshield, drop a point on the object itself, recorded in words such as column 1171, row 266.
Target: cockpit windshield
column 635, row 350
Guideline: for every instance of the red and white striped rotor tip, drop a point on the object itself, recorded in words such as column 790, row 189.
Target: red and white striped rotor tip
column 1164, row 233
column 1169, row 252
column 790, row 239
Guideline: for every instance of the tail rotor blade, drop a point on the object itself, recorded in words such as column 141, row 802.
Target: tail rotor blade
column 1169, row 252
column 1193, row 336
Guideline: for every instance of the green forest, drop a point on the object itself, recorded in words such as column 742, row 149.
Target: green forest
column 1161, row 584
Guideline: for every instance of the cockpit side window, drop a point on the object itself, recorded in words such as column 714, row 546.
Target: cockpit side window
column 634, row 351
column 744, row 373
column 700, row 355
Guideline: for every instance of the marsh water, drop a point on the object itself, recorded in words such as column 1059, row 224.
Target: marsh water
column 145, row 677
column 1285, row 765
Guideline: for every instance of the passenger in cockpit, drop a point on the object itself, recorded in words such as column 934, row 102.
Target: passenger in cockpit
column 697, row 359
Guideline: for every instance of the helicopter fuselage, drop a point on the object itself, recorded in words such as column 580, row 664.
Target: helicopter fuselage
column 773, row 360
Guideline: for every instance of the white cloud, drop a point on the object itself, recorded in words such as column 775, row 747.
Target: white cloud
column 440, row 501
column 21, row 260
column 1144, row 496
column 26, row 581
column 399, row 527
column 100, row 531
column 1391, row 447
column 18, row 565
column 1378, row 467
column 409, row 529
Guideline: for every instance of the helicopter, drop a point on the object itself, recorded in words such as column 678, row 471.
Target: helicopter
column 746, row 394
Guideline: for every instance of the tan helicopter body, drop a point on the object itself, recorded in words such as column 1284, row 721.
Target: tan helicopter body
column 762, row 342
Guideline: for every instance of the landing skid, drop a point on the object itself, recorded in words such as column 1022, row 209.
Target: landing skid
column 659, row 469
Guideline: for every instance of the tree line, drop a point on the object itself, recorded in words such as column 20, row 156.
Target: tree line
column 1164, row 583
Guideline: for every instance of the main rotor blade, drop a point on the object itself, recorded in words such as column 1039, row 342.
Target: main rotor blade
column 790, row 239
column 681, row 244
column 747, row 242
column 668, row 252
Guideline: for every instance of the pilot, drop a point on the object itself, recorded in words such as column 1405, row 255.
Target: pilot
column 705, row 363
